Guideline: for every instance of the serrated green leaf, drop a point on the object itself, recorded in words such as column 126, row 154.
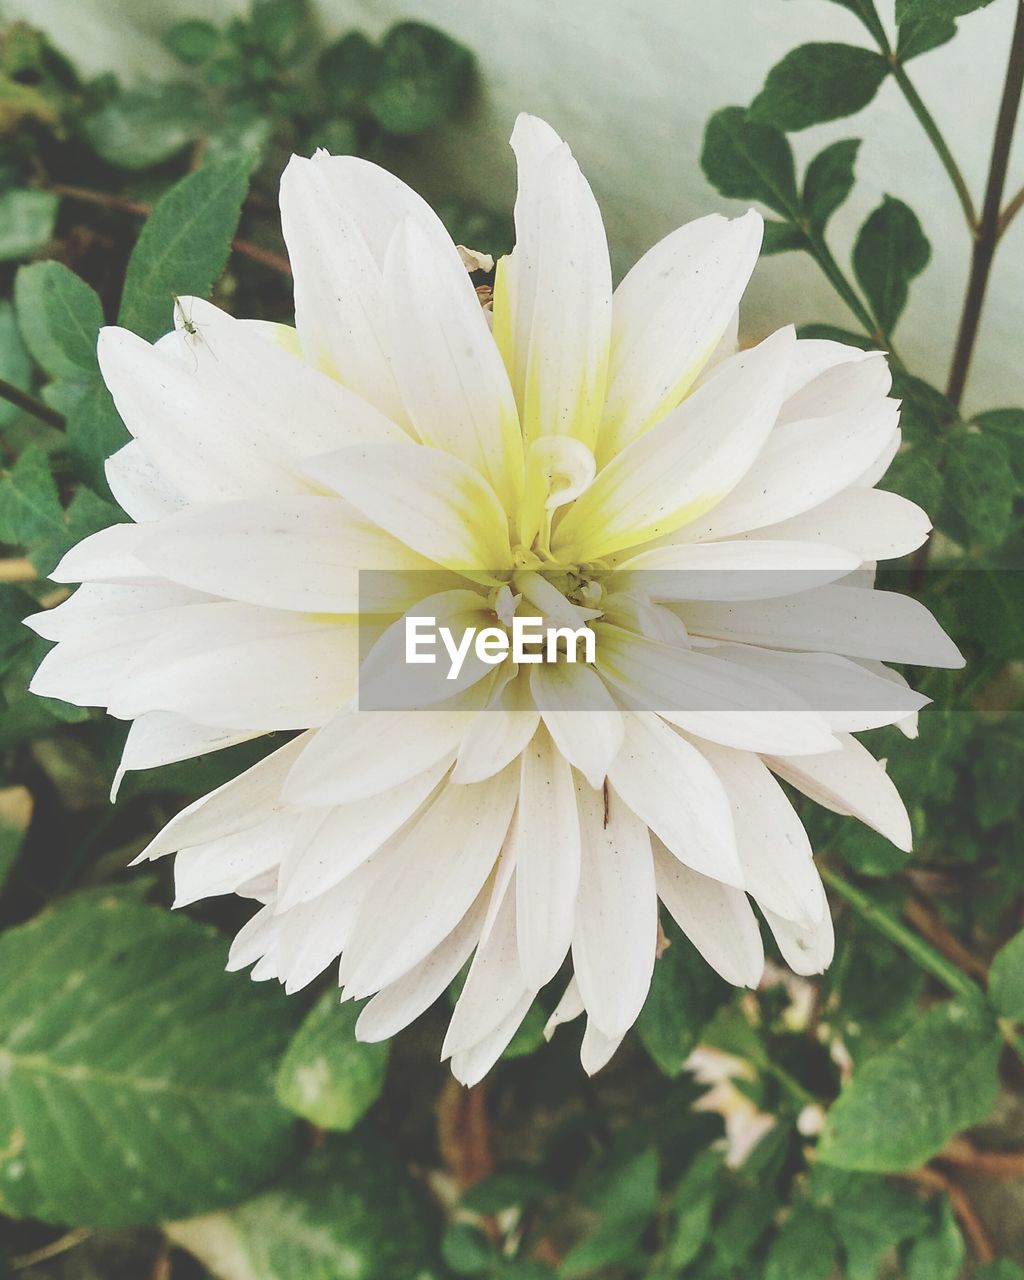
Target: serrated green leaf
column 925, row 412
column 60, row 317
column 685, row 994
column 184, row 245
column 940, row 1254
column 749, row 161
column 146, row 126
column 922, row 34
column 422, row 78
column 138, row 1085
column 804, row 1249
column 869, row 1215
column 980, row 490
column 818, row 82
column 1008, row 426
column 27, row 219
column 891, row 250
column 829, row 180
column 904, row 1105
column 327, row 1075
column 910, row 10
column 30, row 509
column 94, row 428
column 1006, row 979
column 348, row 1214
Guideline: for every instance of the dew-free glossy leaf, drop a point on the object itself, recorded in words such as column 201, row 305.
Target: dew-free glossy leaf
column 891, row 250
column 818, row 82
column 749, row 161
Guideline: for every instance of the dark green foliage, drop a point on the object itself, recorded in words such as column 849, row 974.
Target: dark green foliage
column 891, row 250
column 818, row 82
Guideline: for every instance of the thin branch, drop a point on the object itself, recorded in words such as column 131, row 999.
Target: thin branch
column 52, row 1250
column 988, row 227
column 928, row 924
column 990, row 1164
column 960, row 1202
column 1010, row 212
column 138, row 209
column 31, row 404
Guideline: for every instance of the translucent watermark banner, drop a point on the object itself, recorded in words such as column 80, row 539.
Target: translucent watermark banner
column 666, row 640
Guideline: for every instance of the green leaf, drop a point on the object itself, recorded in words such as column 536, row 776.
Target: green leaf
column 781, row 237
column 1001, row 1269
column 328, row 1076
column 891, row 250
column 30, row 507
column 423, row 77
column 505, row 1190
column 348, row 1214
column 909, row 10
column 804, row 1249
column 685, row 994
column 276, row 24
column 15, row 815
column 346, row 72
column 997, row 763
column 94, row 427
column 467, row 1251
column 829, row 180
column 27, row 219
column 60, row 316
column 145, row 127
column 925, row 413
column 184, row 245
column 137, row 1078
column 904, row 1105
column 1006, row 979
column 832, row 333
column 15, row 365
column 1008, row 426
column 869, row 1215
column 626, row 1206
column 980, row 490
column 818, row 82
column 749, row 161
column 921, row 35
column 693, row 1203
column 193, row 42
column 940, row 1254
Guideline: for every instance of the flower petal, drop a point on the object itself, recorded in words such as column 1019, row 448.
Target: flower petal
column 872, row 523
column 580, row 715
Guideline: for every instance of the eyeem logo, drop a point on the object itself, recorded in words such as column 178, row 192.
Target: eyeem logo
column 530, row 641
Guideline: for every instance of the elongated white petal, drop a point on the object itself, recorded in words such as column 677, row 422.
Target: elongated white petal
column 348, row 835
column 235, row 806
column 669, row 313
column 304, row 553
column 403, row 1001
column 430, row 500
column 872, row 523
column 547, row 859
column 106, row 556
column 717, row 919
column 241, row 667
column 160, row 738
column 741, row 570
column 138, row 486
column 774, row 852
column 470, row 1066
column 668, row 783
column 580, row 715
column 452, row 380
column 96, row 604
column 221, row 866
column 569, row 1007
column 617, row 913
column 854, row 621
column 553, row 294
column 852, row 782
column 419, row 900
column 498, row 735
column 597, row 1048
column 806, row 948
column 687, row 463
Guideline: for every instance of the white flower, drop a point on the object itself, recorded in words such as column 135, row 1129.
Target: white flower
column 592, row 458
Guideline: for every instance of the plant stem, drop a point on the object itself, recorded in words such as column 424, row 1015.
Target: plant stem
column 1010, row 212
column 31, row 404
column 988, row 227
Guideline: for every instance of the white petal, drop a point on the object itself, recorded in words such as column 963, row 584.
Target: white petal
column 569, row 1007
column 617, row 913
column 717, row 919
column 597, row 1048
column 470, row 1067
column 428, row 499
column 435, row 870
column 580, row 714
column 547, row 858
column 238, row 666
column 138, row 485
column 106, row 556
column 220, row 866
column 162, row 738
column 872, row 523
column 668, row 783
column 854, row 621
column 851, row 782
column 553, row 294
column 499, row 735
column 806, row 948
column 96, row 604
column 669, row 314
column 450, row 374
column 687, row 463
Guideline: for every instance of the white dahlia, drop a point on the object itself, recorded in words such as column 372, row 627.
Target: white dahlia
column 588, row 456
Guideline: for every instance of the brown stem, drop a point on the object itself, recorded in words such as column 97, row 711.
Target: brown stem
column 988, row 225
column 52, row 1250
column 1010, row 212
column 974, row 1229
column 138, row 209
column 990, row 1164
column 928, row 924
column 31, row 404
